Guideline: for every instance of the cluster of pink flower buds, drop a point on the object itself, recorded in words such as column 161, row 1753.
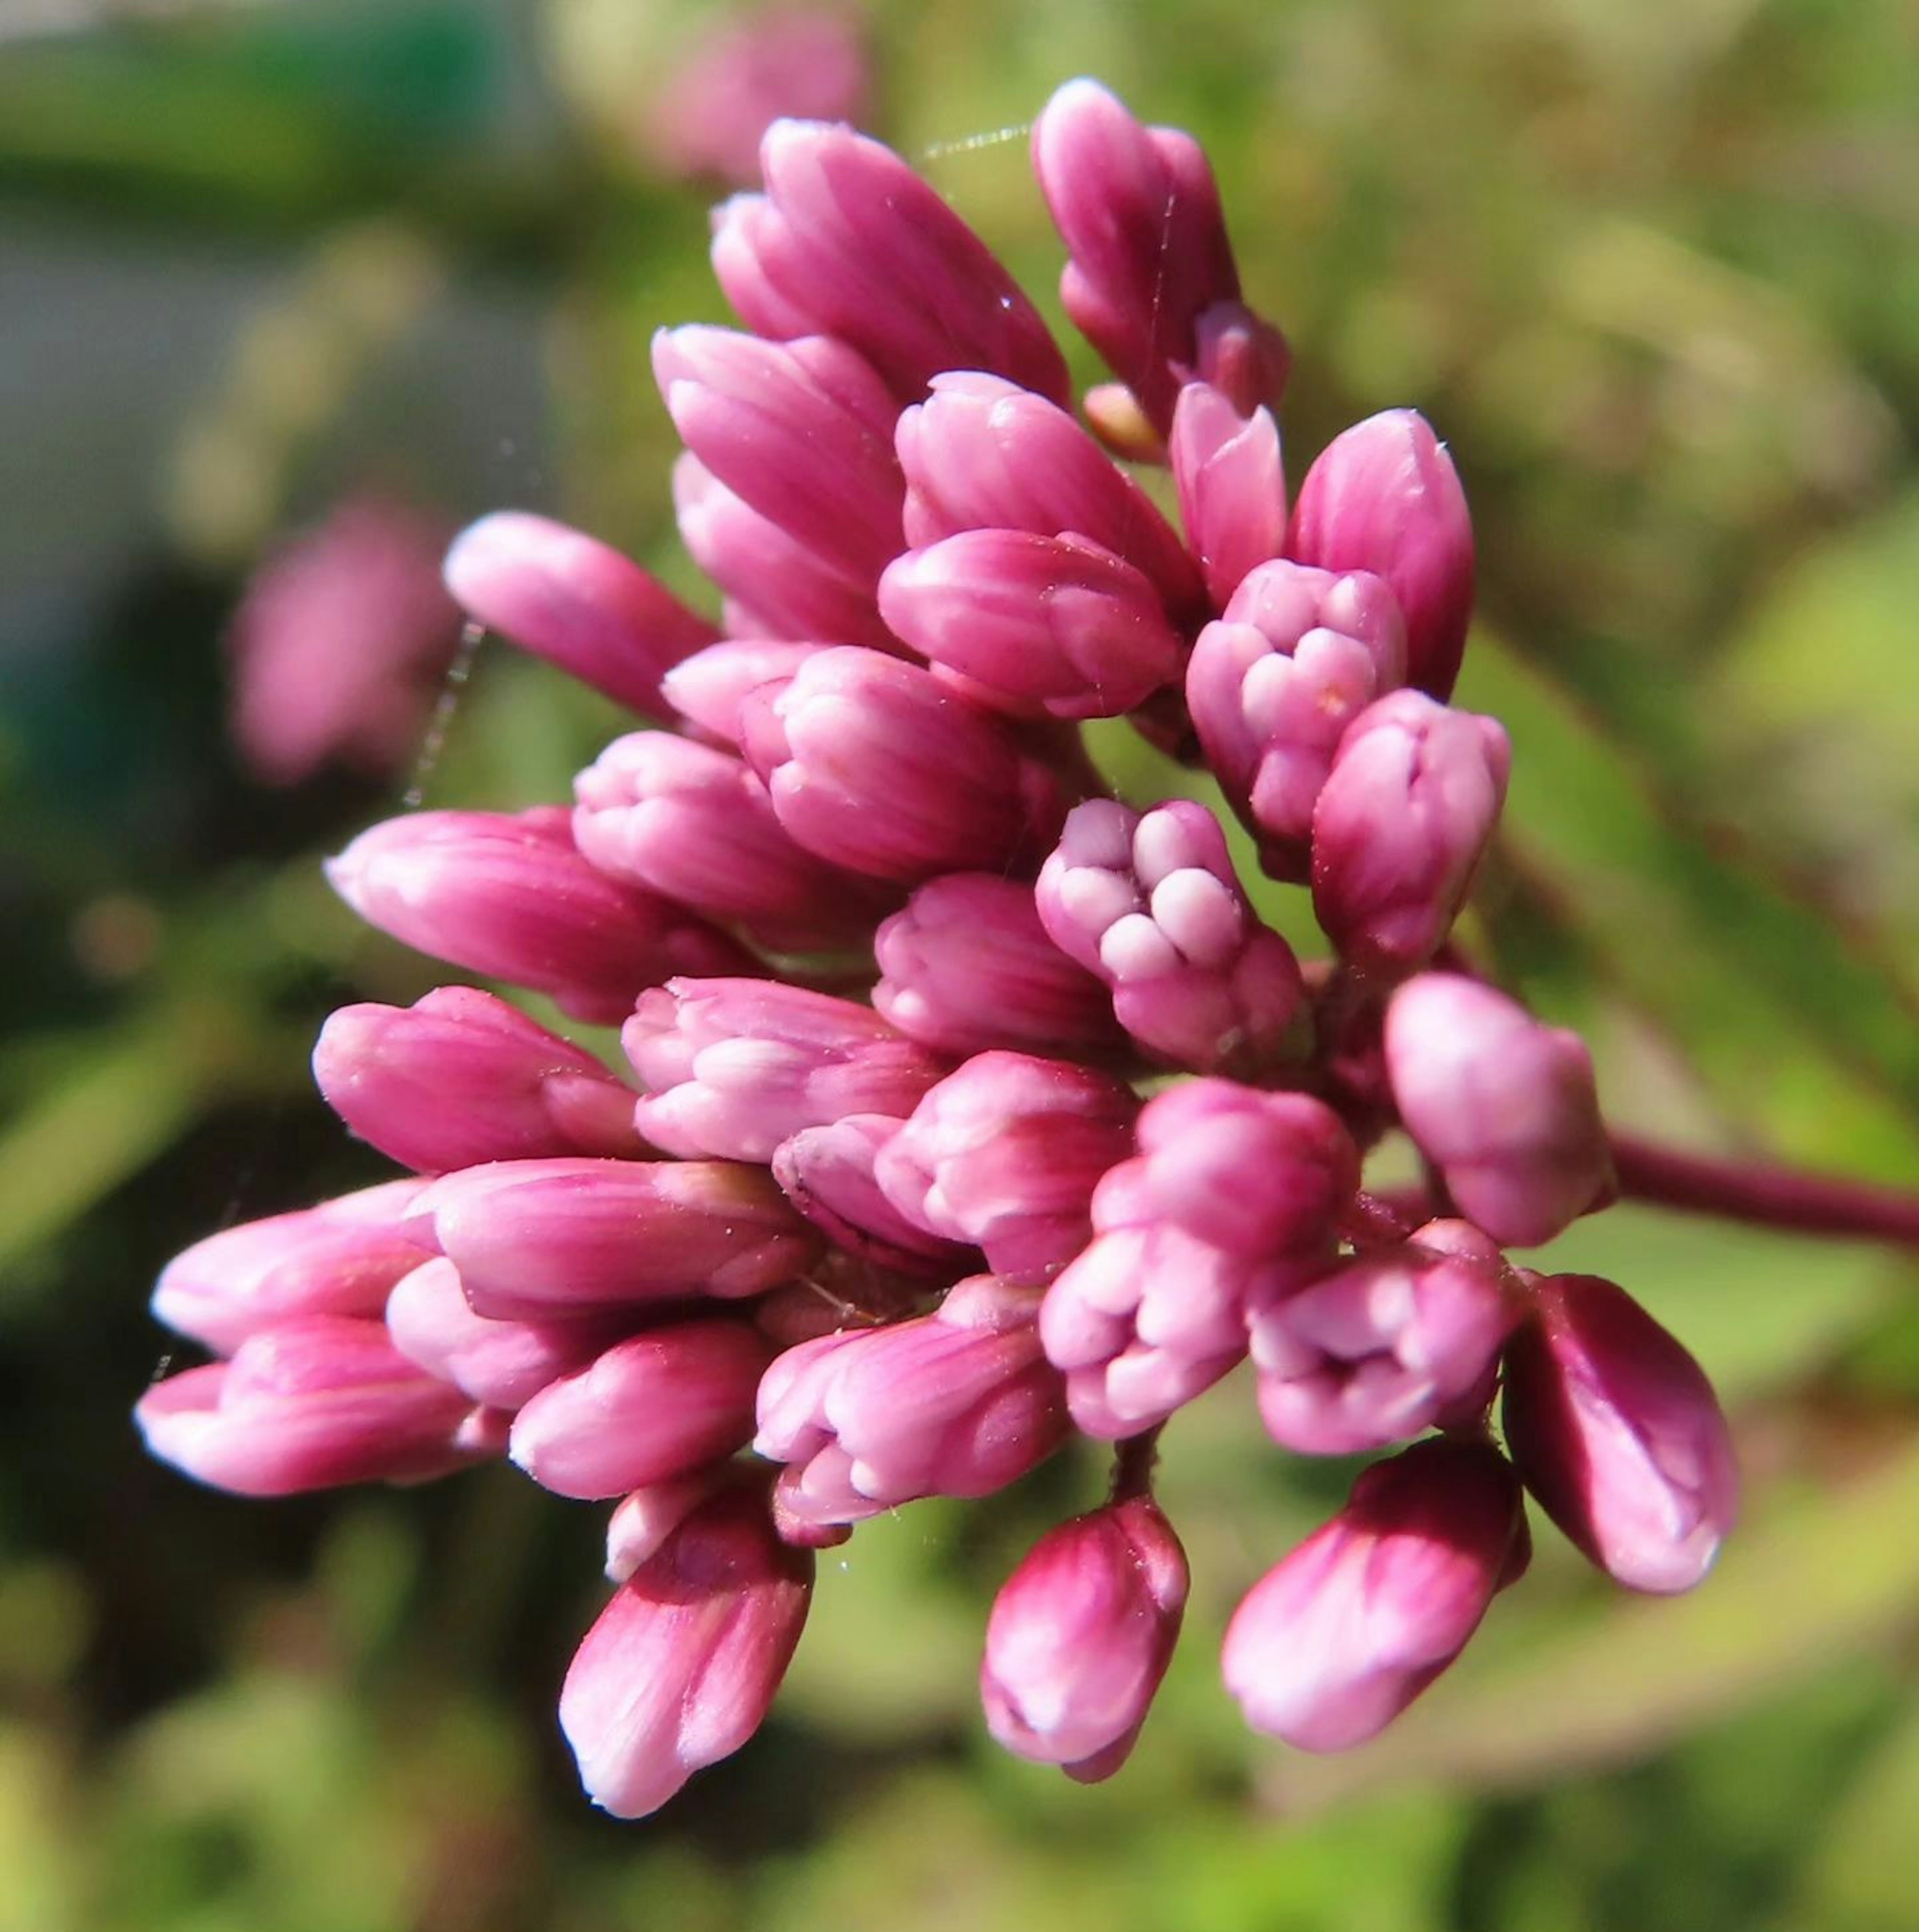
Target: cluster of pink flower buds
column 910, row 1192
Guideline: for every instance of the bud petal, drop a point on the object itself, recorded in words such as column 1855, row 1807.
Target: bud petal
column 1384, row 496
column 1400, row 826
column 1617, row 1431
column 1505, row 1107
column 460, row 1078
column 566, row 598
column 1331, row 1645
column 682, row 1664
column 1080, row 1636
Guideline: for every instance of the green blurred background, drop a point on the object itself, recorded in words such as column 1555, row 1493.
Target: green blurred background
column 1653, row 271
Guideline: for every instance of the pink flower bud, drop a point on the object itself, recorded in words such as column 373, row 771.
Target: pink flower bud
column 566, row 598
column 1376, row 1351
column 682, row 1664
column 1005, row 1154
column 874, row 765
column 1080, row 1636
column 960, row 1402
column 968, row 966
column 1232, row 485
column 1329, row 1647
column 1505, row 1107
column 982, row 454
column 1400, row 824
column 1256, row 1174
column 1147, row 1317
column 657, row 1405
column 536, row 1240
column 1617, row 1431
column 693, row 824
column 1242, row 356
column 1139, row 212
column 826, row 1172
column 1150, row 902
column 315, row 1402
column 340, row 644
column 501, row 1365
column 338, row 1258
column 1272, row 687
column 849, row 241
column 801, row 431
column 1384, row 496
column 460, row 1078
column 1048, row 624
column 508, row 896
column 776, row 586
column 734, row 1067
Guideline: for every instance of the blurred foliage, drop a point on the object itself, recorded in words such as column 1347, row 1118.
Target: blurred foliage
column 1653, row 271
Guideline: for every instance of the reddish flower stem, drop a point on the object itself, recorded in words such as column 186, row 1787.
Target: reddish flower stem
column 1133, row 1462
column 1765, row 1195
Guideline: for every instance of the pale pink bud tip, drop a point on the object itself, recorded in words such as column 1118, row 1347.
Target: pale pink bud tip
column 1504, row 1106
column 1331, row 1645
column 679, row 1668
column 1080, row 1636
column 1384, row 496
column 1617, row 1431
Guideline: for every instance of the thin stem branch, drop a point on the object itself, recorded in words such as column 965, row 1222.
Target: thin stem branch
column 1765, row 1195
column 1133, row 1462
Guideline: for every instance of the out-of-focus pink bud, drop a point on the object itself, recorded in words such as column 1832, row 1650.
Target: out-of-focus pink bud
column 311, row 1404
column 1052, row 624
column 338, row 1258
column 340, row 645
column 1080, row 1636
column 968, row 966
column 1384, row 496
column 717, row 100
column 1381, row 1349
column 569, row 598
column 1150, row 903
column 507, row 894
column 710, row 688
column 1005, row 1154
column 459, row 1077
column 1256, row 1174
column 682, row 1664
column 960, row 1402
column 1146, row 1318
column 693, row 823
column 733, row 1067
column 1617, row 1431
column 800, row 431
column 536, row 1240
column 498, row 1364
column 1272, row 686
column 1400, row 825
column 982, row 454
column 657, row 1405
column 848, row 242
column 1139, row 212
column 875, row 765
column 1232, row 484
column 826, row 1172
column 1331, row 1645
column 776, row 586
column 1505, row 1107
